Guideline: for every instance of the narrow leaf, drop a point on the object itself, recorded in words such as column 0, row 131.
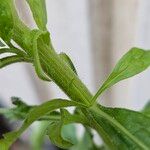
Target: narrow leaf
column 32, row 116
column 13, row 51
column 85, row 143
column 41, row 74
column 127, row 129
column 146, row 110
column 19, row 112
column 55, row 129
column 69, row 133
column 38, row 8
column 68, row 61
column 8, row 16
column 54, row 132
column 11, row 59
column 132, row 63
column 6, row 19
column 93, row 123
column 1, row 44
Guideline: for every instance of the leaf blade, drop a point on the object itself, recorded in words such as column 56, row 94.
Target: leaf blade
column 146, row 110
column 12, row 59
column 68, row 61
column 38, row 8
column 34, row 115
column 6, row 20
column 38, row 68
column 55, row 129
column 132, row 63
column 137, row 127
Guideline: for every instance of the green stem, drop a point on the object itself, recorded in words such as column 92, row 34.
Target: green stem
column 55, row 67
column 63, row 76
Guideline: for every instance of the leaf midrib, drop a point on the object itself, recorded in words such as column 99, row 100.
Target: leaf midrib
column 115, row 123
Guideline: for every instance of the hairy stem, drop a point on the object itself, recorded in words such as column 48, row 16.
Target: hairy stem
column 55, row 67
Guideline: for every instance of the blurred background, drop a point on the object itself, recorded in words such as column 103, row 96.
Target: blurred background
column 95, row 34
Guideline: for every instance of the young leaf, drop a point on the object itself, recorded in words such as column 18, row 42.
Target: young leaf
column 8, row 16
column 54, row 132
column 18, row 112
column 146, row 110
column 127, row 129
column 37, row 35
column 108, row 143
column 55, row 129
column 1, row 44
column 32, row 116
column 86, row 143
column 132, row 63
column 12, row 59
column 14, row 51
column 38, row 8
column 69, row 133
column 68, row 61
column 6, row 20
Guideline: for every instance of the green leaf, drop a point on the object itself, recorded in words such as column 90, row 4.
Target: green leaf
column 38, row 8
column 6, row 20
column 127, row 129
column 95, row 125
column 146, row 110
column 18, row 112
column 12, row 59
column 55, row 129
column 132, row 63
column 14, row 51
column 69, row 132
column 68, row 61
column 35, row 114
column 8, row 16
column 1, row 44
column 55, row 132
column 86, row 143
column 38, row 68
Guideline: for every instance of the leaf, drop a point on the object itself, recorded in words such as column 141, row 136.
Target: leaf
column 32, row 116
column 12, row 59
column 127, row 129
column 68, row 61
column 55, row 129
column 6, row 20
column 132, row 63
column 1, row 44
column 40, row 72
column 8, row 16
column 14, row 51
column 108, row 143
column 18, row 112
column 146, row 110
column 68, row 132
column 54, row 132
column 86, row 143
column 52, row 116
column 38, row 8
